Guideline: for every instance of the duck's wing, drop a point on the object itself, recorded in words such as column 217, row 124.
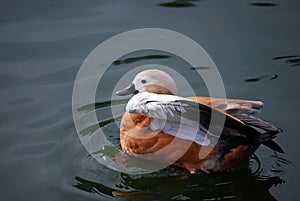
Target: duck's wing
column 240, row 109
column 166, row 113
column 230, row 106
column 172, row 113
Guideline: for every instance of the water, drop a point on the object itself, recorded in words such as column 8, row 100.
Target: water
column 254, row 44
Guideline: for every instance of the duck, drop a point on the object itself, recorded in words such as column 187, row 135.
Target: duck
column 159, row 125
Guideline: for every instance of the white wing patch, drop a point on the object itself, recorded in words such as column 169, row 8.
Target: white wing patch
column 164, row 111
column 187, row 130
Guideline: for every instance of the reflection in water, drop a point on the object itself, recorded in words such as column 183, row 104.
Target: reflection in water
column 178, row 3
column 135, row 59
column 259, row 78
column 263, row 4
column 240, row 184
column 92, row 187
column 275, row 165
column 293, row 60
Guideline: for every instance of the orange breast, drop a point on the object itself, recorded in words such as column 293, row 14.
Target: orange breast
column 138, row 140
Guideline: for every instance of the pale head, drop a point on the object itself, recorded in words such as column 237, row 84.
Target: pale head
column 153, row 81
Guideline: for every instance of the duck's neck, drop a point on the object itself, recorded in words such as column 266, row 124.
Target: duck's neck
column 158, row 90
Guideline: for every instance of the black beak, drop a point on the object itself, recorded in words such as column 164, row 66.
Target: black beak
column 128, row 90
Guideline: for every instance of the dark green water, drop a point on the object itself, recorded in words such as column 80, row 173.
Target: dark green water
column 255, row 45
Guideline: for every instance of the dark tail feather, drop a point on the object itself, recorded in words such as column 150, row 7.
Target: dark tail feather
column 265, row 138
column 273, row 145
column 258, row 123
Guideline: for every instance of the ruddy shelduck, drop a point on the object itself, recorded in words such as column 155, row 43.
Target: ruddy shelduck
column 157, row 119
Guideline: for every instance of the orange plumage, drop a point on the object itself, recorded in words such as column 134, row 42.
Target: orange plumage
column 236, row 144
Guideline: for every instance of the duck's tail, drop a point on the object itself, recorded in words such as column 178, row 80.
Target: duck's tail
column 270, row 131
column 273, row 145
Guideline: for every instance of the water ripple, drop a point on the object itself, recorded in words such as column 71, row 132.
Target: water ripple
column 263, row 4
column 140, row 58
column 178, row 4
column 261, row 77
column 292, row 60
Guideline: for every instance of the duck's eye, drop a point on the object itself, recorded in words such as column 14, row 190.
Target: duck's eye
column 143, row 81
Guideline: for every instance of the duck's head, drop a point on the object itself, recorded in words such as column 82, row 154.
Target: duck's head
column 152, row 81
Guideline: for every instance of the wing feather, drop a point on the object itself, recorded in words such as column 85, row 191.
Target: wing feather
column 189, row 119
column 230, row 106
